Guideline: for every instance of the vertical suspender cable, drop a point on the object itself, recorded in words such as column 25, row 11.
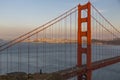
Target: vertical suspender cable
column 70, row 40
column 37, row 43
column 65, row 33
column 28, row 51
column 7, row 60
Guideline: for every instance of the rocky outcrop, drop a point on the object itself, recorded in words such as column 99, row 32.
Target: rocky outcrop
column 36, row 76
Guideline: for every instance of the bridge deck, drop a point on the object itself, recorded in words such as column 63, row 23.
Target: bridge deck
column 71, row 72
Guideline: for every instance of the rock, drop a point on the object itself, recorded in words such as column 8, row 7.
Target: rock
column 17, row 76
column 36, row 76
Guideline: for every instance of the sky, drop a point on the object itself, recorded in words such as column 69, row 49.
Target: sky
column 20, row 16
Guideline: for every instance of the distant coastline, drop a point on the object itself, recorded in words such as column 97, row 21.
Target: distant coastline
column 115, row 41
column 49, row 40
column 2, row 41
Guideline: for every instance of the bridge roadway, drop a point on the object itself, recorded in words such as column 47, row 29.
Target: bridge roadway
column 74, row 71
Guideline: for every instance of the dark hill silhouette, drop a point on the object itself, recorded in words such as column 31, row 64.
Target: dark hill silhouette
column 115, row 41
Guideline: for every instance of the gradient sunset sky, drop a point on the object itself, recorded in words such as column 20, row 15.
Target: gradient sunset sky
column 20, row 16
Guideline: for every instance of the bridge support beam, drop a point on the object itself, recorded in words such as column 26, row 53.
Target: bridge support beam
column 84, row 50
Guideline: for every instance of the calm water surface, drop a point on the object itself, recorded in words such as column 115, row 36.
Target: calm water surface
column 54, row 57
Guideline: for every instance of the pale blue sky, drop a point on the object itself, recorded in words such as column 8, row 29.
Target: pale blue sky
column 20, row 16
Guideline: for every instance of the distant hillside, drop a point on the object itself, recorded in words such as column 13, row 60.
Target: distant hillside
column 2, row 41
column 115, row 41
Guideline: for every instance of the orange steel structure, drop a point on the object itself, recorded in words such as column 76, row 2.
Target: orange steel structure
column 86, row 34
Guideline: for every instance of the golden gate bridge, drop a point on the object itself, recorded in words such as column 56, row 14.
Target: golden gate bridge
column 72, row 45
